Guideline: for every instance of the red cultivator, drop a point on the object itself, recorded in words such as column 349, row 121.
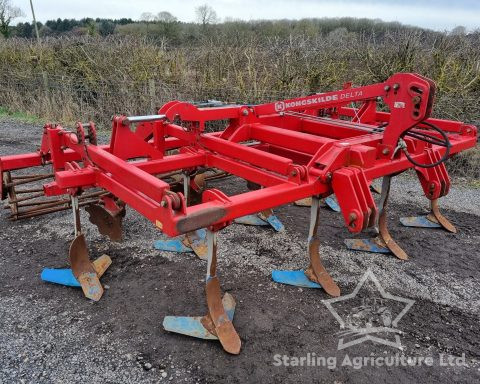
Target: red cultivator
column 311, row 147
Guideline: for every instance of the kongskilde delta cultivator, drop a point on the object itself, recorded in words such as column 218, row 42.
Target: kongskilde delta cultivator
column 292, row 150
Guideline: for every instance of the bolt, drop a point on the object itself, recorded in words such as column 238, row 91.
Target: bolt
column 329, row 176
column 396, row 86
column 386, row 151
column 163, row 203
column 416, row 100
column 245, row 112
column 293, row 173
column 386, row 88
column 352, row 217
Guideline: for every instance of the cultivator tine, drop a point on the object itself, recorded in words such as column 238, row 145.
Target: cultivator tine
column 173, row 245
column 442, row 220
column 268, row 216
column 330, row 202
column 315, row 276
column 251, row 220
column 375, row 245
column 433, row 220
column 376, row 189
column 306, row 202
column 83, row 273
column 192, row 241
column 264, row 218
column 196, row 240
column 217, row 324
column 261, row 219
column 66, row 277
column 108, row 224
column 384, row 242
column 193, row 326
column 195, row 189
column 83, row 269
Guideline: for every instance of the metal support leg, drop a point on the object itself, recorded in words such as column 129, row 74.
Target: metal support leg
column 217, row 324
column 192, row 241
column 83, row 273
column 433, row 220
column 331, row 202
column 384, row 242
column 315, row 276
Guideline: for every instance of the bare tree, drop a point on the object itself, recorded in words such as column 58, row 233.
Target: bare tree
column 166, row 17
column 146, row 16
column 206, row 15
column 459, row 30
column 8, row 12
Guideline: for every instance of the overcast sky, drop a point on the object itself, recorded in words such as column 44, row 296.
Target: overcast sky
column 438, row 15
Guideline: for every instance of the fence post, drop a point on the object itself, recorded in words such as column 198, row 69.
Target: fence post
column 151, row 92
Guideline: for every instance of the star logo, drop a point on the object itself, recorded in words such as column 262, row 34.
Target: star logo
column 365, row 316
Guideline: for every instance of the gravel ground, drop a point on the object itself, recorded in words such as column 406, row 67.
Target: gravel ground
column 51, row 334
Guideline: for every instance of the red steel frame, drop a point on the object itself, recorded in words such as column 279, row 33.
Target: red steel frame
column 310, row 146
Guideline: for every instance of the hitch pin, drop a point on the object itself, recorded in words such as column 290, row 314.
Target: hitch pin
column 143, row 119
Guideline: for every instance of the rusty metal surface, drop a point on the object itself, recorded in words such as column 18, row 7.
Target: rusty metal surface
column 196, row 240
column 382, row 223
column 307, row 202
column 200, row 219
column 201, row 327
column 428, row 221
column 107, row 224
column 101, row 264
column 224, row 328
column 83, row 269
column 442, row 220
column 317, row 272
column 375, row 245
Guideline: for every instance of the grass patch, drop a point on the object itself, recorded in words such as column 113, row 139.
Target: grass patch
column 20, row 116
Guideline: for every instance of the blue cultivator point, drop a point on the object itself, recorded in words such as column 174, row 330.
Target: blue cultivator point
column 315, row 276
column 194, row 326
column 420, row 222
column 375, row 245
column 251, row 220
column 60, row 276
column 383, row 243
column 66, row 277
column 192, row 242
column 296, row 278
column 264, row 218
column 332, row 203
column 175, row 245
column 434, row 220
column 275, row 223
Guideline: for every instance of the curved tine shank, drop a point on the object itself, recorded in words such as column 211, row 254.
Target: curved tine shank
column 224, row 328
column 83, row 269
column 316, row 271
column 442, row 220
column 382, row 222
